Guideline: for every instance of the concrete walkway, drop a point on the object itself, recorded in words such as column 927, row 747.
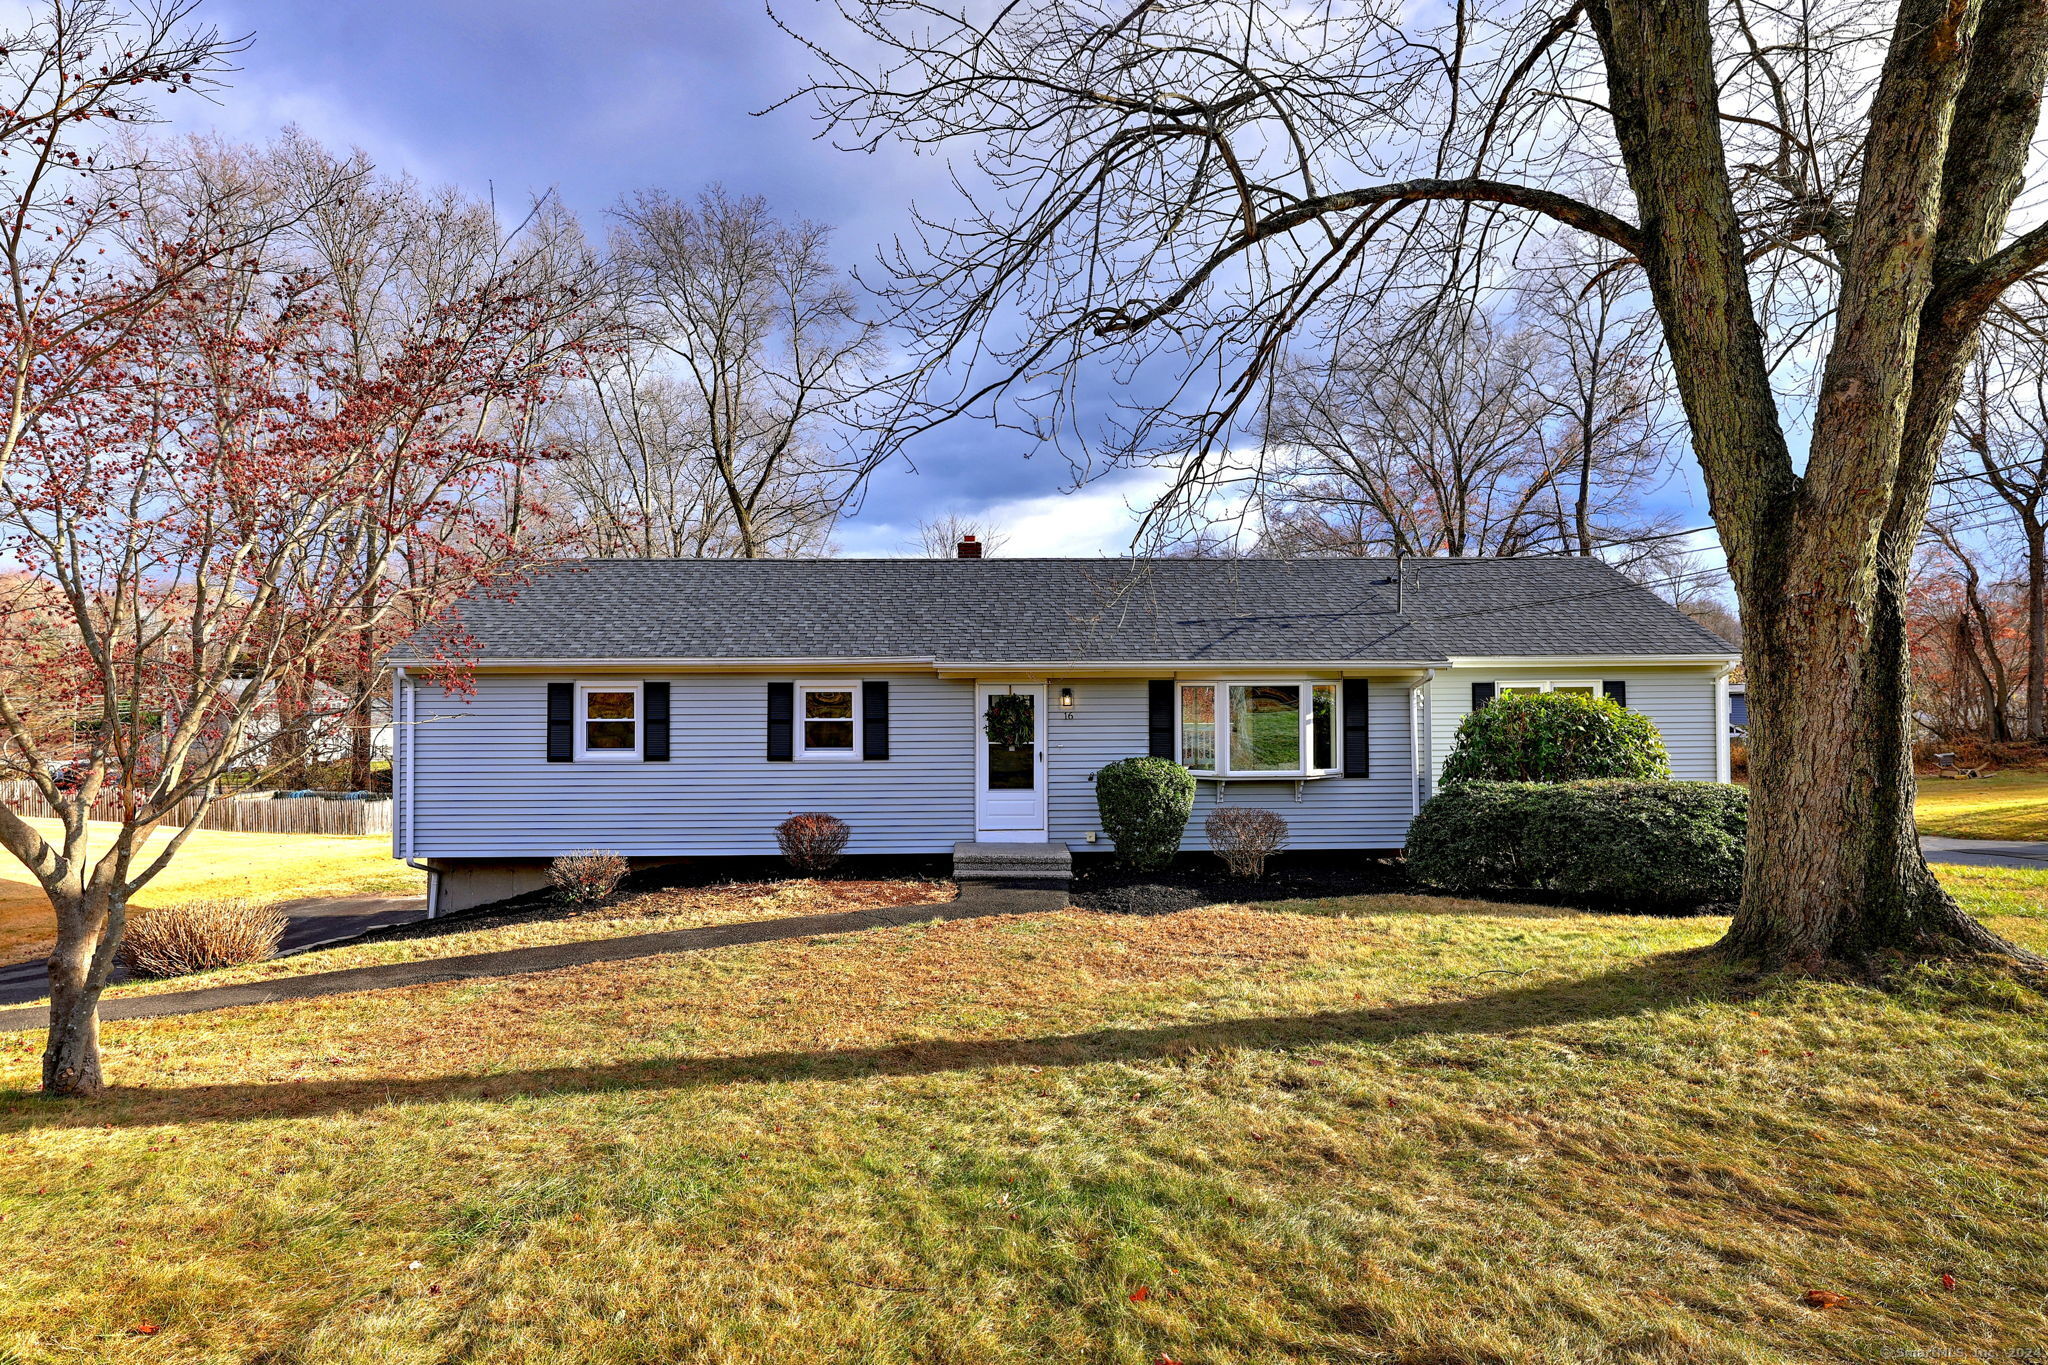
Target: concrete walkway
column 309, row 924
column 551, row 957
column 1986, row 852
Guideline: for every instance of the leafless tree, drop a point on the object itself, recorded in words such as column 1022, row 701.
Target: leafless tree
column 1608, row 419
column 1428, row 439
column 1996, row 483
column 1817, row 203
column 940, row 537
column 403, row 270
column 762, row 335
column 634, row 473
column 1463, row 435
column 1966, row 668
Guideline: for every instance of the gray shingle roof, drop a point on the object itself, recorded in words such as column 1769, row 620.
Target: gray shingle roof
column 1214, row 610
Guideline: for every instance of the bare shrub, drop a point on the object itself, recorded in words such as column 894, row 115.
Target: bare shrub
column 589, row 877
column 197, row 936
column 813, row 840
column 1244, row 837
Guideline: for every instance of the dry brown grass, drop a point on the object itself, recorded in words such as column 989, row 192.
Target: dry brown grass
column 1365, row 1129
column 640, row 913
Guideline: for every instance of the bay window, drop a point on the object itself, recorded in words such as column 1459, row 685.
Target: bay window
column 1258, row 729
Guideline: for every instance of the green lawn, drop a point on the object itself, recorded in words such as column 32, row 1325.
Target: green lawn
column 2012, row 804
column 1372, row 1129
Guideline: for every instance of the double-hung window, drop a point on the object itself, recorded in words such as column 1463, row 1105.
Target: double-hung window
column 828, row 720
column 1282, row 728
column 608, row 721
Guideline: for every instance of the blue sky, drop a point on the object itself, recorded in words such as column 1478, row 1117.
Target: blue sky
column 600, row 97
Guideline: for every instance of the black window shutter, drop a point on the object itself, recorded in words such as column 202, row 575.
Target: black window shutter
column 781, row 722
column 1482, row 694
column 874, row 720
column 561, row 722
column 654, row 726
column 1159, row 722
column 1617, row 689
column 1357, row 729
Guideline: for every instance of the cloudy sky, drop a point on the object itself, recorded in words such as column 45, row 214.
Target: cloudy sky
column 596, row 98
column 600, row 97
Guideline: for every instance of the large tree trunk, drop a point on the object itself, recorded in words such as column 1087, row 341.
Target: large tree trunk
column 1835, row 872
column 1820, row 555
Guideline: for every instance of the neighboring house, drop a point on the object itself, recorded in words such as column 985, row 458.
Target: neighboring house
column 1738, row 707
column 669, row 709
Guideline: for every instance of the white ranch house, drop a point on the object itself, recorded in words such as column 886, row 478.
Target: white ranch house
column 674, row 709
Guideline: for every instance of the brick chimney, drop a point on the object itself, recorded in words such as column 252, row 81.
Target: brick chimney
column 969, row 548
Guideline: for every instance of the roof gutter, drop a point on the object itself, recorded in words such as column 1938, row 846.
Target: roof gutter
column 698, row 661
column 1055, row 667
column 1582, row 660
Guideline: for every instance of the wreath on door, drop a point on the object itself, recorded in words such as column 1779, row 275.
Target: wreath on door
column 1009, row 721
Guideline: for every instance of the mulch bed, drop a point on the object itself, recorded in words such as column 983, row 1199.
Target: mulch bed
column 860, row 884
column 876, row 883
column 1193, row 880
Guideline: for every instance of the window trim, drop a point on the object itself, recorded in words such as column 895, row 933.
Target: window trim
column 1593, row 686
column 801, row 749
column 580, row 718
column 1220, row 709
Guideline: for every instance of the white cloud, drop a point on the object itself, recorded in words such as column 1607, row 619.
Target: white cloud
column 258, row 108
column 1097, row 519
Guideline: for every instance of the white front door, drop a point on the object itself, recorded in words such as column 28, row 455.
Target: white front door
column 1009, row 780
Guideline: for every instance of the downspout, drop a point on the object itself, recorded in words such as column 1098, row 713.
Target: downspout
column 1724, row 742
column 1418, row 742
column 404, row 709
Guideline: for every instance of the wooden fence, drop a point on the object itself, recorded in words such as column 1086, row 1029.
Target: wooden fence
column 241, row 814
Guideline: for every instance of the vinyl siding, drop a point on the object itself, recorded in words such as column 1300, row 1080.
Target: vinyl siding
column 1681, row 702
column 473, row 780
column 484, row 788
column 1108, row 723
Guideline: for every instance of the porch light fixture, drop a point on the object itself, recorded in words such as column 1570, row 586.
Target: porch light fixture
column 1066, row 699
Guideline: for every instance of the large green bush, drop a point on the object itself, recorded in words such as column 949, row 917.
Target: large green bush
column 1145, row 804
column 1555, row 737
column 1660, row 846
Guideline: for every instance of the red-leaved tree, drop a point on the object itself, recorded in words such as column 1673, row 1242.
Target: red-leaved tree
column 227, row 513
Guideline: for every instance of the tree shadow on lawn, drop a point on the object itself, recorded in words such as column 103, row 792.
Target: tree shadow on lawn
column 1653, row 985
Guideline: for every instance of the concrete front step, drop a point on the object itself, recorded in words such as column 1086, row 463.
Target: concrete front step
column 993, row 862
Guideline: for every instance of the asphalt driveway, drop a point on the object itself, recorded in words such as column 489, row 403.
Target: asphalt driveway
column 1986, row 852
column 311, row 924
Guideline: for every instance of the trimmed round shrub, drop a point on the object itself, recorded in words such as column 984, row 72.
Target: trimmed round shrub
column 198, row 936
column 1656, row 846
column 812, row 841
column 589, row 877
column 1555, row 737
column 1145, row 804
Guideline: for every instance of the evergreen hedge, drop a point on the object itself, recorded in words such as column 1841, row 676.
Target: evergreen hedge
column 1555, row 737
column 1655, row 846
column 1145, row 804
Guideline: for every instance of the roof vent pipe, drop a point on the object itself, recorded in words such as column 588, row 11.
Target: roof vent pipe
column 969, row 548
